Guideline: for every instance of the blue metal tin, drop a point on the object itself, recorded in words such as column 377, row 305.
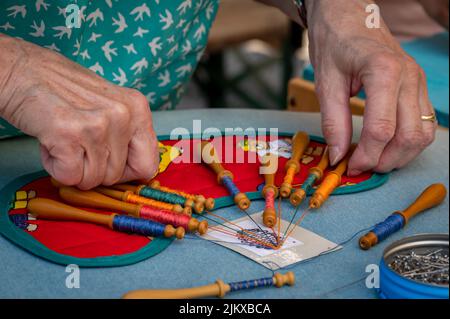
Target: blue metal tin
column 395, row 286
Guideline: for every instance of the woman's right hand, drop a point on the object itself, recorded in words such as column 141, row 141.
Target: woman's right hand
column 91, row 131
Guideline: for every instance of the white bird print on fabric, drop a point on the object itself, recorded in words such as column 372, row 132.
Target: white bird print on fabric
column 157, row 65
column 82, row 13
column 151, row 97
column 139, row 66
column 164, row 78
column 187, row 48
column 62, row 31
column 121, row 78
column 181, row 23
column 209, row 11
column 155, row 45
column 38, row 30
column 85, row 55
column 77, row 46
column 130, row 48
column 41, row 3
column 140, row 11
column 94, row 37
column 140, row 32
column 62, row 11
column 184, row 70
column 167, row 20
column 171, row 39
column 7, row 26
column 201, row 31
column 138, row 85
column 97, row 68
column 108, row 51
column 186, row 28
column 172, row 51
column 52, row 47
column 94, row 16
column 15, row 10
column 182, row 8
column 198, row 6
column 109, row 3
column 120, row 23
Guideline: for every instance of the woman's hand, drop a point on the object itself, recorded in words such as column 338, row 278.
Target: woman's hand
column 347, row 56
column 91, row 131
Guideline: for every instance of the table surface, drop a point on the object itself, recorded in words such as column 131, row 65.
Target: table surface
column 197, row 262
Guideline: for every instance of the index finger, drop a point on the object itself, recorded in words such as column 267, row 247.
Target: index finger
column 381, row 80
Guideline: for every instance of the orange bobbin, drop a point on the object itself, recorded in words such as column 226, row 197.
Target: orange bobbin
column 199, row 200
column 331, row 181
column 300, row 142
column 130, row 197
column 209, row 156
column 269, row 166
column 315, row 175
column 432, row 196
column 52, row 210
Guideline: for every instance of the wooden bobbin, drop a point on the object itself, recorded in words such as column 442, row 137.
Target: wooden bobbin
column 299, row 195
column 217, row 289
column 188, row 203
column 49, row 209
column 200, row 202
column 124, row 196
column 300, row 142
column 269, row 166
column 146, row 201
column 97, row 200
column 93, row 199
column 432, row 196
column 209, row 156
column 330, row 182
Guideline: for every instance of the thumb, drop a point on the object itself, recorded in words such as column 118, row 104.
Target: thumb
column 333, row 92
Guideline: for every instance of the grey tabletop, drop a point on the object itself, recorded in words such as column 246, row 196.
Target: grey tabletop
column 338, row 275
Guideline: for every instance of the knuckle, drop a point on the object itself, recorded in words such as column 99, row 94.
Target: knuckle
column 121, row 116
column 139, row 100
column 411, row 139
column 330, row 127
column 381, row 131
column 96, row 127
column 388, row 63
column 70, row 131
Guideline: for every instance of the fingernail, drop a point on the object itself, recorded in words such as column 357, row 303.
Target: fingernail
column 335, row 153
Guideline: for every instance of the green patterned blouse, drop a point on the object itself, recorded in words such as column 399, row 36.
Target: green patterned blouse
column 151, row 45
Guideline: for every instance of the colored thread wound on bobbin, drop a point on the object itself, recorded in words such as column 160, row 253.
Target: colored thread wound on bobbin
column 164, row 217
column 389, row 226
column 162, row 196
column 251, row 284
column 230, row 186
column 133, row 225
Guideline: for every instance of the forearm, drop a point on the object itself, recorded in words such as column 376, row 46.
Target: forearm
column 10, row 57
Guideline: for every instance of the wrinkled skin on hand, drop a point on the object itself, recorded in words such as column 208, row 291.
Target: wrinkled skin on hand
column 91, row 132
